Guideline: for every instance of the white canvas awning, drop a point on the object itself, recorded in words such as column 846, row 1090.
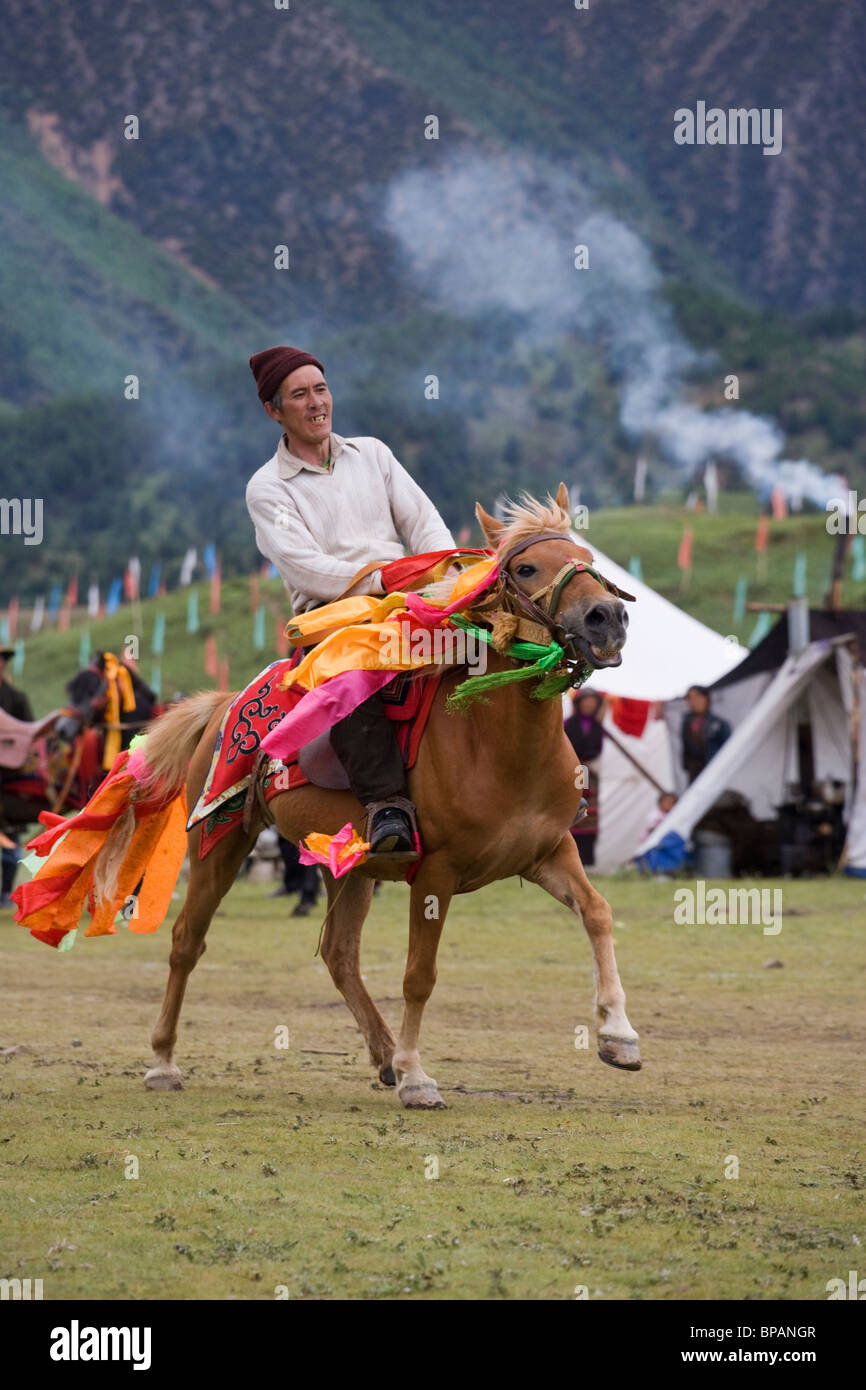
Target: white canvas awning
column 855, row 849
column 758, row 758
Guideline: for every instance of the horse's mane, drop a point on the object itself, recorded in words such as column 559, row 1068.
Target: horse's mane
column 520, row 520
column 523, row 518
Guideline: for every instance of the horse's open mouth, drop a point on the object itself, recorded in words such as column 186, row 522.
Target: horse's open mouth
column 597, row 657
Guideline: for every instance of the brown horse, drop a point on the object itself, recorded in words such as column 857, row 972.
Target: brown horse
column 497, row 790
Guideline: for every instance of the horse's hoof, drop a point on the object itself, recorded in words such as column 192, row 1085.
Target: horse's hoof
column 156, row 1080
column 618, row 1052
column 387, row 1077
column 421, row 1097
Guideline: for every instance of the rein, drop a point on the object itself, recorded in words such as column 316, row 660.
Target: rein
column 541, row 607
column 553, row 591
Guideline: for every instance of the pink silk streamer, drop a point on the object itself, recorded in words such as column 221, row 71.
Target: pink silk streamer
column 321, row 709
column 430, row 615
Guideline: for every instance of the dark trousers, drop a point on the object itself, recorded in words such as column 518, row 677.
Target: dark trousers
column 298, row 877
column 10, row 865
column 366, row 744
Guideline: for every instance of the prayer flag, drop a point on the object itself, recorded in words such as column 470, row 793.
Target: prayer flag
column 684, row 554
column 740, row 599
column 215, row 588
column 192, row 612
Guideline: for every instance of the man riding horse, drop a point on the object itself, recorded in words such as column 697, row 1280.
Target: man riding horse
column 325, row 507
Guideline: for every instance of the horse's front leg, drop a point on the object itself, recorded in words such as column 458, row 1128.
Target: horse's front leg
column 431, row 895
column 564, row 877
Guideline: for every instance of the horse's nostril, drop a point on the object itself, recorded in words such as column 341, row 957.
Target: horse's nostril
column 595, row 617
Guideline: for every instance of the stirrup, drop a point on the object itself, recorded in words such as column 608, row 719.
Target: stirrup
column 399, row 803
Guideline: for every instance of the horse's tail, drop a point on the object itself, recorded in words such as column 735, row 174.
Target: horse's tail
column 173, row 738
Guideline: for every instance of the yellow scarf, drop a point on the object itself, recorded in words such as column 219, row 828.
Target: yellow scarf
column 120, row 692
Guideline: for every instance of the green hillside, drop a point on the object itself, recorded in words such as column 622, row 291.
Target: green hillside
column 723, row 550
column 87, row 299
column 759, row 264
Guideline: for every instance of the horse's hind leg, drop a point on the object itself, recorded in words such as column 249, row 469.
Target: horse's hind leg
column 564, row 877
column 209, row 881
column 348, row 904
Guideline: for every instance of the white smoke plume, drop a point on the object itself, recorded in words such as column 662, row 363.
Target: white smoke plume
column 484, row 234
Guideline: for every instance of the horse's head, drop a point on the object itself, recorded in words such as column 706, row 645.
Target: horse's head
column 553, row 580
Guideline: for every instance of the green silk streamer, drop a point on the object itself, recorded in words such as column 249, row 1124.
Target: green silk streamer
column 544, row 662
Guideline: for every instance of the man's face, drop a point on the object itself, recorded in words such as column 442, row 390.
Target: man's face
column 306, row 404
column 697, row 702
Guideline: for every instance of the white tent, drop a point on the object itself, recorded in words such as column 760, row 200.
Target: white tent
column 627, row 798
column 855, row 848
column 761, row 758
column 666, row 652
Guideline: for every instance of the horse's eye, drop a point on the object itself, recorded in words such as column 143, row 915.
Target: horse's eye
column 525, row 571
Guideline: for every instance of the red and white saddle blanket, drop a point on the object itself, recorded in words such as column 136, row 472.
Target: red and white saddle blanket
column 256, row 712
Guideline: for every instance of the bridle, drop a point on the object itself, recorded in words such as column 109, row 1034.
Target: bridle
column 541, row 607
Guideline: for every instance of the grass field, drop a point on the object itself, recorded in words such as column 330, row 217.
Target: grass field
column 295, row 1168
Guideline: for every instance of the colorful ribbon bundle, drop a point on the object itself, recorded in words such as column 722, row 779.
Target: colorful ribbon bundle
column 95, row 861
column 120, row 695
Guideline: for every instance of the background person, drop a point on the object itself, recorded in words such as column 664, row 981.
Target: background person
column 703, row 733
column 16, row 704
column 12, row 700
column 586, row 736
column 298, row 878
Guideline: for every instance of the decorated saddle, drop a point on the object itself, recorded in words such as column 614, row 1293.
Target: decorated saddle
column 256, row 712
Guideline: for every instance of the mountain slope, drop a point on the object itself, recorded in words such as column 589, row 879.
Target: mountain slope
column 87, row 298
column 258, row 129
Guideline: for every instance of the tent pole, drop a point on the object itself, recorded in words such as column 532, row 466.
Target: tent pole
column 663, row 791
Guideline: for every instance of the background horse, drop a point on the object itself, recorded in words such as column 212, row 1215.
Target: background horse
column 497, row 789
column 55, row 774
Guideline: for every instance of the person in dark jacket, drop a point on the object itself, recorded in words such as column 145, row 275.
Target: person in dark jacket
column 586, row 735
column 16, row 704
column 703, row 733
column 13, row 701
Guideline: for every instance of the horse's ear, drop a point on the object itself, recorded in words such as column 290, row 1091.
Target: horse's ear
column 489, row 525
column 562, row 499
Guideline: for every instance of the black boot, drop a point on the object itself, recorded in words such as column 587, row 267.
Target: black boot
column 390, row 831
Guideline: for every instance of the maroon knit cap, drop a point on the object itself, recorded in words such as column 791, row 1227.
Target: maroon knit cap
column 272, row 366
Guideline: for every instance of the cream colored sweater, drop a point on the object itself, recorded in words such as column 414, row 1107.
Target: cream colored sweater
column 318, row 526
